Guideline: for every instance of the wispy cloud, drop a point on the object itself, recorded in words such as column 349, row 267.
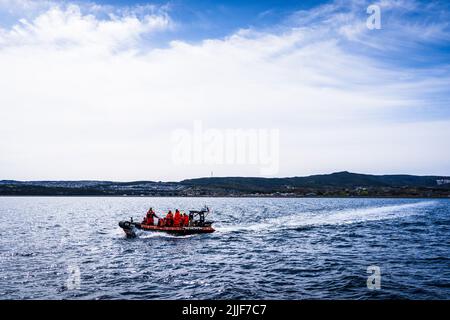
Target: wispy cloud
column 67, row 26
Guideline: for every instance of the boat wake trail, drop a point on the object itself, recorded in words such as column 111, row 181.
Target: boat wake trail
column 335, row 217
column 149, row 235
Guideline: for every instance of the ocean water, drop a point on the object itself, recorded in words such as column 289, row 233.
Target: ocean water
column 73, row 248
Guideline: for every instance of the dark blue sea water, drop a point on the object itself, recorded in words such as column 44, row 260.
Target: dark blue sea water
column 262, row 249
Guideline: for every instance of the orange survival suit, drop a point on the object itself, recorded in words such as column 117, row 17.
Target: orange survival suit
column 177, row 219
column 169, row 219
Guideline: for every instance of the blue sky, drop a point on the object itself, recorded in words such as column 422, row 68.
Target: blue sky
column 89, row 88
column 226, row 16
column 211, row 19
column 200, row 20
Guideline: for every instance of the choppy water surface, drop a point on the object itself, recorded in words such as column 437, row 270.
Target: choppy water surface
column 262, row 249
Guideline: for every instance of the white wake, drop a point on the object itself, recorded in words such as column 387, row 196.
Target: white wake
column 338, row 217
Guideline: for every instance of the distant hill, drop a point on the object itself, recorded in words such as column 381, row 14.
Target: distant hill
column 338, row 179
column 336, row 184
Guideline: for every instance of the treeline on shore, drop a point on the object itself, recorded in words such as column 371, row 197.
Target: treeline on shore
column 340, row 184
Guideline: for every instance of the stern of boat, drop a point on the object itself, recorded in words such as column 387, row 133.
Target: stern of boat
column 129, row 228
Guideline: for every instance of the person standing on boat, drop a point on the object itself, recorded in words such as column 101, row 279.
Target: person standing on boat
column 169, row 219
column 177, row 219
column 150, row 217
column 185, row 220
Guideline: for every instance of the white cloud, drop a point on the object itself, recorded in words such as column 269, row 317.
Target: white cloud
column 68, row 27
column 86, row 97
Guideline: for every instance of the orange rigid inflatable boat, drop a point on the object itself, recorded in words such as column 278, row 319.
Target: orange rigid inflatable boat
column 196, row 226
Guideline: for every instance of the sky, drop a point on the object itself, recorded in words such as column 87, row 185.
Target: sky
column 138, row 90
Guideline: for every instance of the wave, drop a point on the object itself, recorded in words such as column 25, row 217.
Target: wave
column 336, row 217
column 149, row 235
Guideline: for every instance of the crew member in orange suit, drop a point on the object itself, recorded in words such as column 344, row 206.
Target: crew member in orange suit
column 169, row 219
column 150, row 217
column 185, row 220
column 177, row 218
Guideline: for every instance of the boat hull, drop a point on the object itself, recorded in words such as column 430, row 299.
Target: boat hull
column 130, row 229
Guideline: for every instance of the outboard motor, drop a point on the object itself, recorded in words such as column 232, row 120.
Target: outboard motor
column 129, row 228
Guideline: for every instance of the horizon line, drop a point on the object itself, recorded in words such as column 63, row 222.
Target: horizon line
column 224, row 177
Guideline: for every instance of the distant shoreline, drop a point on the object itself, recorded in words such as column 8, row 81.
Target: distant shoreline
column 225, row 197
column 336, row 185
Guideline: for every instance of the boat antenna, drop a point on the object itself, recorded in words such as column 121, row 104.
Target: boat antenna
column 207, row 211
